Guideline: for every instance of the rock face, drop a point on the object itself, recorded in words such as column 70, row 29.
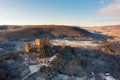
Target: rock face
column 84, row 62
column 70, row 63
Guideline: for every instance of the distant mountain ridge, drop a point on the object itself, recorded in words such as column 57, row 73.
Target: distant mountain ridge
column 32, row 32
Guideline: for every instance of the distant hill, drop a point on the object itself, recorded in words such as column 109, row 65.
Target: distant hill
column 52, row 31
column 49, row 31
column 7, row 27
column 107, row 30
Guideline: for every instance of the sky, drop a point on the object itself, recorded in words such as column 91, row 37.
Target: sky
column 60, row 12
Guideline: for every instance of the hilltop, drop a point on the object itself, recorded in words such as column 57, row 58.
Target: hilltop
column 52, row 32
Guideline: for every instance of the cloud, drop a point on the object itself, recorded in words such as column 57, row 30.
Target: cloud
column 112, row 9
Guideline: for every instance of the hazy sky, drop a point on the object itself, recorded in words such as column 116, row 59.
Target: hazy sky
column 65, row 12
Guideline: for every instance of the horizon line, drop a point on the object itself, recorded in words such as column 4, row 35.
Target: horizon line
column 55, row 25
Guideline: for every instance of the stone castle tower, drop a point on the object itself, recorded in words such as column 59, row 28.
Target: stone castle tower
column 27, row 47
column 40, row 43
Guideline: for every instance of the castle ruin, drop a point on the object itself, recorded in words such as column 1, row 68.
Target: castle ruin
column 42, row 48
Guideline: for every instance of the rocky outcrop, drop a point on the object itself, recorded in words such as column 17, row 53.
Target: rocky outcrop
column 71, row 63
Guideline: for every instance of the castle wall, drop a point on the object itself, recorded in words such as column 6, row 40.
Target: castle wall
column 37, row 43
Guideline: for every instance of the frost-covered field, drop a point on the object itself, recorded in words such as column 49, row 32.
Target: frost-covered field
column 73, row 43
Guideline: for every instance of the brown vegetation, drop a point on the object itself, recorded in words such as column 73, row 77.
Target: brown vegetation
column 111, row 48
column 47, row 31
column 108, row 30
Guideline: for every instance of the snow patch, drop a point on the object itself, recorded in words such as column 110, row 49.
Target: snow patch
column 49, row 58
column 52, row 58
column 107, row 77
column 73, row 43
column 34, row 68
